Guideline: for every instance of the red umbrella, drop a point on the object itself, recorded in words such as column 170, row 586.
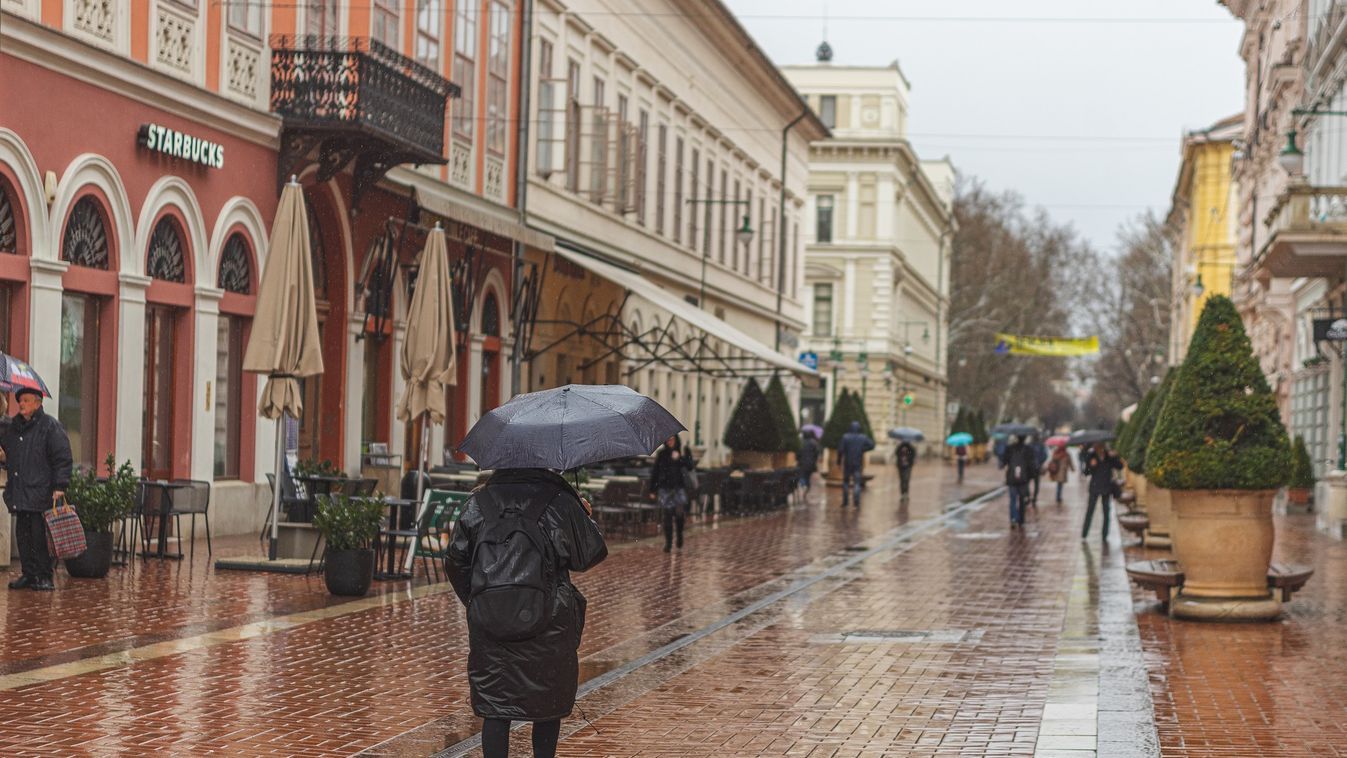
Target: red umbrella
column 1057, row 440
column 16, row 375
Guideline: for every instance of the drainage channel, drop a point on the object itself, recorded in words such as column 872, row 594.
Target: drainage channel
column 674, row 652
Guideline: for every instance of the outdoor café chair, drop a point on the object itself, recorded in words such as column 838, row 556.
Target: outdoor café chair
column 193, row 499
column 440, row 511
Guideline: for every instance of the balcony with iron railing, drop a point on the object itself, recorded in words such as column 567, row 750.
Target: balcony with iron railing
column 1326, row 35
column 353, row 98
column 1307, row 234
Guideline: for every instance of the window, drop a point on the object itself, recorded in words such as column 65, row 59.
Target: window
column 789, row 262
column 736, row 250
column 706, row 223
column 660, row 179
column 320, row 18
column 429, row 18
column 228, row 396
column 823, row 310
column 694, row 188
column 573, row 126
column 490, row 316
column 369, row 415
column 384, row 25
column 547, row 107
column 763, row 231
column 823, row 231
column 748, row 246
column 164, row 260
column 78, row 410
column 643, row 136
column 598, row 148
column 724, row 212
column 86, row 238
column 498, row 76
column 827, row 110
column 246, row 17
column 465, row 69
column 678, row 191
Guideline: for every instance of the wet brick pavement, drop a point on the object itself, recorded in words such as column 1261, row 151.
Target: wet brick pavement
column 895, row 630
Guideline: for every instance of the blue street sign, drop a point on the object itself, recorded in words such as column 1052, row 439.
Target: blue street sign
column 810, row 359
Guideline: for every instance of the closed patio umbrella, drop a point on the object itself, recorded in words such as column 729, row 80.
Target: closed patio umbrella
column 284, row 341
column 428, row 350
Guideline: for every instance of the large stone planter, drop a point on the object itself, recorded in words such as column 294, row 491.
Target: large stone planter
column 1159, row 509
column 752, row 460
column 1223, row 541
column 1139, row 485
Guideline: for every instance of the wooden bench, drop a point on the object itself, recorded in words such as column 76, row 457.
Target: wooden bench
column 1288, row 577
column 1135, row 522
column 1163, row 576
column 1128, row 498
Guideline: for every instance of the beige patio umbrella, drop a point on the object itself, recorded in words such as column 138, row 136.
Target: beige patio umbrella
column 428, row 348
column 284, row 343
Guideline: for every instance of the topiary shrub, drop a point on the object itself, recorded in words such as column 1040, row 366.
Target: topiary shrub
column 1302, row 469
column 1124, row 444
column 839, row 423
column 1219, row 427
column 1141, row 437
column 979, row 430
column 783, row 416
column 751, row 427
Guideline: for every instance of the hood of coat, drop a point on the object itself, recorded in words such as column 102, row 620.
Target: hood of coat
column 530, row 476
column 855, row 427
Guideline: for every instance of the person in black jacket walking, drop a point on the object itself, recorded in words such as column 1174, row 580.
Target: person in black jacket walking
column 36, row 453
column 669, row 483
column 906, row 458
column 807, row 459
column 533, row 679
column 1020, row 465
column 1100, row 463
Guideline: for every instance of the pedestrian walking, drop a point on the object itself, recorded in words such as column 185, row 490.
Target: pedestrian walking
column 806, row 460
column 1100, row 463
column 1059, row 468
column 668, row 479
column 520, row 536
column 961, row 459
column 906, row 458
column 851, row 452
column 1040, row 461
column 1019, row 462
column 36, row 453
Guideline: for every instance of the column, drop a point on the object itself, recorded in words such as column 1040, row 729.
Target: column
column 474, row 388
column 849, row 298
column 205, row 370
column 853, row 204
column 131, row 367
column 355, row 394
column 884, row 208
column 44, row 310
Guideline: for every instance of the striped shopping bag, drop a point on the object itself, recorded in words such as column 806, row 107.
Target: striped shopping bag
column 65, row 533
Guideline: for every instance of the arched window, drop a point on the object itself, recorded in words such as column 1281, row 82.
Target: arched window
column 317, row 254
column 86, row 236
column 236, row 270
column 490, row 316
column 9, row 237
column 164, row 260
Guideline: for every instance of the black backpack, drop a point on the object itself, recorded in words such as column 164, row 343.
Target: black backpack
column 1020, row 465
column 514, row 573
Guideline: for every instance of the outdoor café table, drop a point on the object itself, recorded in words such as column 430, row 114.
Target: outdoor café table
column 401, row 524
column 314, row 486
column 165, row 489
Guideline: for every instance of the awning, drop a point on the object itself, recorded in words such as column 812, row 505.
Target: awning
column 437, row 198
column 679, row 308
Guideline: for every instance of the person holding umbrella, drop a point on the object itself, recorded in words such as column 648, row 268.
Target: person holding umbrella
column 1059, row 468
column 36, row 453
column 1019, row 462
column 520, row 537
column 807, row 459
column 851, row 451
column 1100, row 463
column 668, row 479
column 960, row 442
column 905, row 455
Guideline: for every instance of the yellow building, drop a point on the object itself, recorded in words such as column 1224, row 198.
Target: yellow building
column 1204, row 215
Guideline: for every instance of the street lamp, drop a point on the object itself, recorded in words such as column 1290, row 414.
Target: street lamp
column 745, row 232
column 1198, row 289
column 743, row 235
column 1290, row 158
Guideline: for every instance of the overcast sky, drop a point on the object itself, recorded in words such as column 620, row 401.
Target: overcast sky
column 1082, row 118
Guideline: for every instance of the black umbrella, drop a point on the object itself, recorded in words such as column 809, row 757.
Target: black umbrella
column 1015, row 430
column 569, row 427
column 907, row 434
column 1089, row 437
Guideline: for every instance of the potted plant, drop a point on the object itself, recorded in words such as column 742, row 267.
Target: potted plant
column 1300, row 490
column 349, row 525
column 1127, row 447
column 1158, row 499
column 100, row 504
column 1220, row 448
column 785, row 423
column 751, row 435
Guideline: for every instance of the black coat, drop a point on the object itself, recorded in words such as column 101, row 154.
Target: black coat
column 667, row 473
column 1100, row 470
column 38, row 459
column 534, row 679
column 807, row 458
column 1020, row 463
column 906, row 456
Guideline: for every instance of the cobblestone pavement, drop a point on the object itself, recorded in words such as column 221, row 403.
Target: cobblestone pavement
column 898, row 629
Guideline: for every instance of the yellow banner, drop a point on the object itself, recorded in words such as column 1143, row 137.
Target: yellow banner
column 1060, row 347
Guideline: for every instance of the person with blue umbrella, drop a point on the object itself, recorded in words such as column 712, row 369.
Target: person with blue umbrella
column 960, row 442
column 520, row 537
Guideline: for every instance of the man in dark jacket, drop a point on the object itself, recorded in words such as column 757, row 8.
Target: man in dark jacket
column 851, row 452
column 906, row 458
column 1040, row 461
column 806, row 460
column 533, row 679
column 1100, row 463
column 1019, row 463
column 36, row 453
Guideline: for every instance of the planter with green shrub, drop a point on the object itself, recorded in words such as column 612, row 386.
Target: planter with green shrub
column 100, row 504
column 349, row 526
column 784, row 419
column 1300, row 489
column 1158, row 501
column 751, row 434
column 1220, row 448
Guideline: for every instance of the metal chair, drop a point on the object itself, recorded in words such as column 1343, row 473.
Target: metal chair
column 193, row 499
column 440, row 511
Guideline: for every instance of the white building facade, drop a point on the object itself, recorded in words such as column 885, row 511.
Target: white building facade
column 878, row 225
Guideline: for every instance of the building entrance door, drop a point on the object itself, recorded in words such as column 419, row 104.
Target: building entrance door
column 157, row 442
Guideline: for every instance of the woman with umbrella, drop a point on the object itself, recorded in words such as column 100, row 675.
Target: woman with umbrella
column 960, row 442
column 520, row 536
column 668, row 478
column 1059, row 465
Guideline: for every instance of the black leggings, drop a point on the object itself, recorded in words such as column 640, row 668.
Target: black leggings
column 496, row 738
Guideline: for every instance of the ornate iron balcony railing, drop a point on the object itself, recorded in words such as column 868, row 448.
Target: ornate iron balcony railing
column 355, row 84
